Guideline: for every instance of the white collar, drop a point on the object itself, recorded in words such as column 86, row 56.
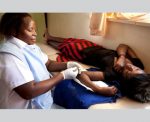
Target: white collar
column 17, row 42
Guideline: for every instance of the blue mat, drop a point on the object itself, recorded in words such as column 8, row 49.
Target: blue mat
column 71, row 95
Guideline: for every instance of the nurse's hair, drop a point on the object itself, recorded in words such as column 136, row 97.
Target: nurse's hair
column 10, row 23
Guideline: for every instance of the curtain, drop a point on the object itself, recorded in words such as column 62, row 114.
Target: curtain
column 136, row 17
column 98, row 21
column 98, row 24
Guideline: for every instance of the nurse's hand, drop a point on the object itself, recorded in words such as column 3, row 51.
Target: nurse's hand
column 70, row 73
column 71, row 64
column 75, row 64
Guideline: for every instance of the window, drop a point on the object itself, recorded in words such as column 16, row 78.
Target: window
column 98, row 21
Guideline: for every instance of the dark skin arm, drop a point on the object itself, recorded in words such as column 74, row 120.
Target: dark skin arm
column 54, row 66
column 122, row 51
column 86, row 77
column 32, row 89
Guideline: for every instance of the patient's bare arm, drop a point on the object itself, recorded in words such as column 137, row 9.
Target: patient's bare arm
column 122, row 51
column 86, row 77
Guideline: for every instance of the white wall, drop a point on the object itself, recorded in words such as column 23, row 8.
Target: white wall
column 70, row 25
column 77, row 25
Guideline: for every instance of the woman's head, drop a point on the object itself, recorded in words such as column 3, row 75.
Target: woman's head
column 19, row 25
column 131, row 70
column 138, row 87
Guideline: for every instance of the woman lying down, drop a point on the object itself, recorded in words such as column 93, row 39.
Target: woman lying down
column 92, row 81
column 121, row 65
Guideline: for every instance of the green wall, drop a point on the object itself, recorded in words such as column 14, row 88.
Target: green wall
column 40, row 25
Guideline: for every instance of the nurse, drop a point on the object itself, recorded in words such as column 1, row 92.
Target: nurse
column 25, row 81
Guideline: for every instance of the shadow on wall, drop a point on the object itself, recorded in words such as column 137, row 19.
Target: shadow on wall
column 0, row 19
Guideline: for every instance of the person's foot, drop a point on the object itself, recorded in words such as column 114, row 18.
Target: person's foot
column 108, row 91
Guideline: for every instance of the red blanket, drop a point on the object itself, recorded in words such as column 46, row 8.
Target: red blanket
column 70, row 49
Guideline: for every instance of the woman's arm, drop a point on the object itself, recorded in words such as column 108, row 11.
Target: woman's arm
column 54, row 66
column 122, row 51
column 32, row 89
column 86, row 77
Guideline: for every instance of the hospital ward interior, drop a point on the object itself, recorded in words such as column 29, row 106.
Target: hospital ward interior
column 105, row 29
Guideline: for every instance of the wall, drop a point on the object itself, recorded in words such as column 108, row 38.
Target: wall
column 40, row 25
column 77, row 25
column 70, row 25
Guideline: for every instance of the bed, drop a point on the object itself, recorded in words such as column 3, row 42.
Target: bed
column 121, row 103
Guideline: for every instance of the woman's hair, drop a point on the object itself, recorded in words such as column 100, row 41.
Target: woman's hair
column 10, row 23
column 138, row 88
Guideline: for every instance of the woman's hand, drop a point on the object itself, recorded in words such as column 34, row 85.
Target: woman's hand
column 71, row 64
column 119, row 63
column 70, row 73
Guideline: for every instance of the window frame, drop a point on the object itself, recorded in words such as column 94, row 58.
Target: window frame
column 129, row 22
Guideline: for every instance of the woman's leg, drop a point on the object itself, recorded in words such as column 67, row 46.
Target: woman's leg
column 49, row 38
column 53, row 44
column 87, row 77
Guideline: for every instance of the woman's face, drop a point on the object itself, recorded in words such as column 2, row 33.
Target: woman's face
column 28, row 31
column 131, row 70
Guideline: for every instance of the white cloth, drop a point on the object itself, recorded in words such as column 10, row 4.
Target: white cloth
column 55, row 106
column 13, row 73
column 98, row 83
